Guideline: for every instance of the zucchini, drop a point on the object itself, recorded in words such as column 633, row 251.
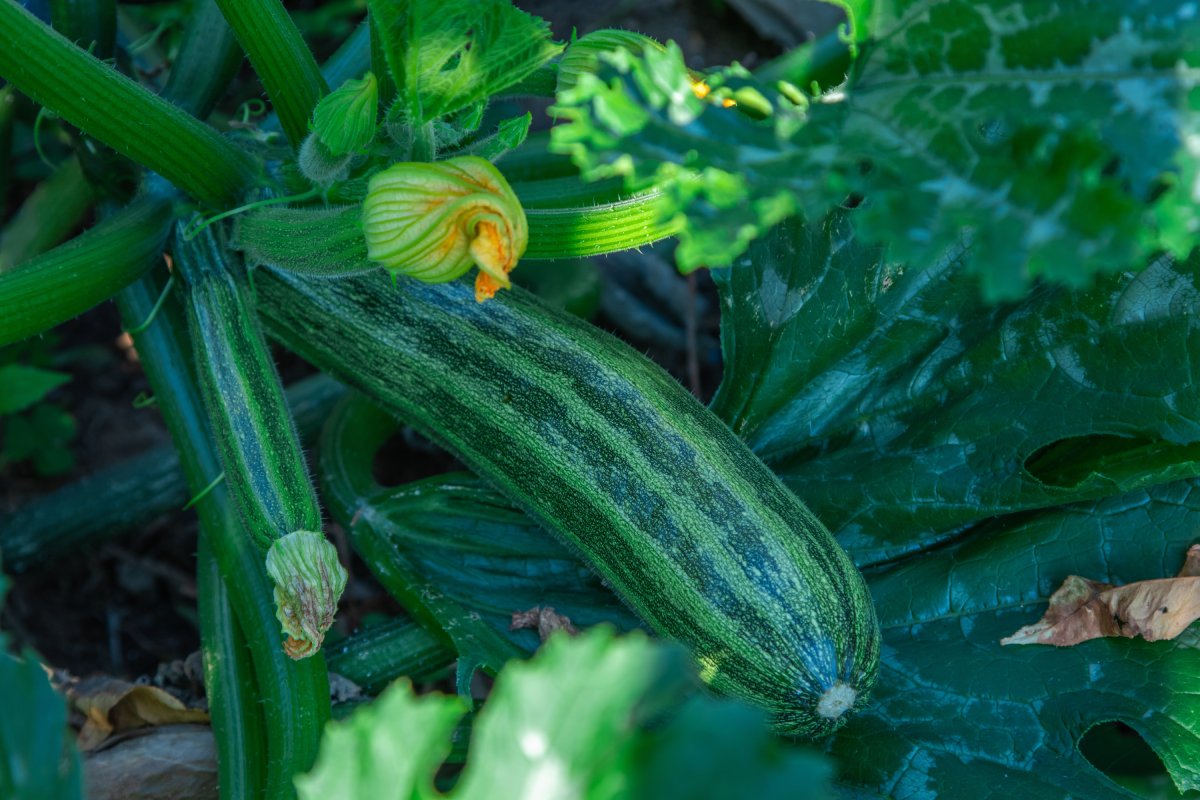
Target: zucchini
column 610, row 453
column 257, row 440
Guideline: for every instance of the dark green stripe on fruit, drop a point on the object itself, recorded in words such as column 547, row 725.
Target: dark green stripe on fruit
column 604, row 448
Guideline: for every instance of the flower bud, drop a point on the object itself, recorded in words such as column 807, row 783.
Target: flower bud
column 321, row 166
column 432, row 221
column 309, row 579
column 344, row 119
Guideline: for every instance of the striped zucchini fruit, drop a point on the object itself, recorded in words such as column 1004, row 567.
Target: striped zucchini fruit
column 609, row 452
column 257, row 440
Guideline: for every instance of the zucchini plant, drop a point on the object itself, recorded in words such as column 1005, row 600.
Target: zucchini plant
column 954, row 250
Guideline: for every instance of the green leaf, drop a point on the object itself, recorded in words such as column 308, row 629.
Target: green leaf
column 1047, row 126
column 37, row 759
column 344, row 119
column 901, row 408
column 21, row 386
column 679, row 763
column 1058, row 138
column 390, row 748
column 20, row 439
column 549, row 729
column 905, row 411
column 583, row 719
column 510, row 134
column 951, row 702
column 953, row 711
column 445, row 55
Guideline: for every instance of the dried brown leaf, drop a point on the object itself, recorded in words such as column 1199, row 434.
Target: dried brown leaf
column 544, row 620
column 112, row 706
column 1082, row 609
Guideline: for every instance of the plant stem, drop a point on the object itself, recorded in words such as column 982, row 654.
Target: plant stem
column 294, row 695
column 282, row 60
column 109, row 106
column 73, row 277
column 237, row 720
column 208, row 60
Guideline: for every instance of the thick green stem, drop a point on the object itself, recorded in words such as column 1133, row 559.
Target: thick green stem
column 282, row 60
column 376, row 656
column 237, row 719
column 73, row 277
column 109, row 106
column 48, row 216
column 208, row 60
column 294, row 695
column 129, row 494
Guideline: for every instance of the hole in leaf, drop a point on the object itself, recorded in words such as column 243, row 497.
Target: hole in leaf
column 1069, row 462
column 1123, row 755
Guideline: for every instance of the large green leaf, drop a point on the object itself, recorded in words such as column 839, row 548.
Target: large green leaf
column 1060, row 137
column 955, row 715
column 1046, row 125
column 902, row 409
column 445, row 55
column 588, row 718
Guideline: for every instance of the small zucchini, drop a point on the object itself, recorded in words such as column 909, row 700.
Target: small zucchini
column 611, row 454
column 256, row 437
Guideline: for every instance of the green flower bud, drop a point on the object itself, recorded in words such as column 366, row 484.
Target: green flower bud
column 321, row 166
column 432, row 221
column 309, row 579
column 344, row 120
